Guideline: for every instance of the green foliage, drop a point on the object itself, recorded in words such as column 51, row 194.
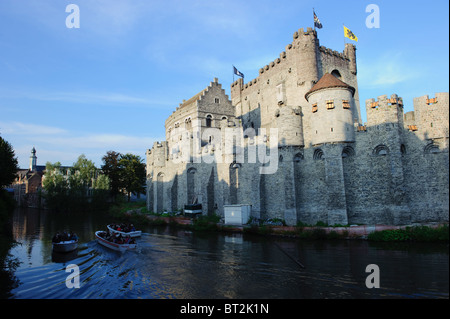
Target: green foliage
column 126, row 172
column 111, row 169
column 79, row 188
column 132, row 174
column 206, row 223
column 55, row 186
column 321, row 224
column 8, row 164
column 416, row 233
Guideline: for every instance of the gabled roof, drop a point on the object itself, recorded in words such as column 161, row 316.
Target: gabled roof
column 329, row 81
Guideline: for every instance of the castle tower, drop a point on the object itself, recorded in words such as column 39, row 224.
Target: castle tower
column 385, row 122
column 431, row 116
column 159, row 152
column 33, row 160
column 332, row 103
column 290, row 128
column 350, row 53
column 307, row 45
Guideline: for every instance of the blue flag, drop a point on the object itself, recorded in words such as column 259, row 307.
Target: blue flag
column 238, row 73
column 317, row 22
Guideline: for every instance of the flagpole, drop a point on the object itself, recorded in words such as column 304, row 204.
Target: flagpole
column 343, row 28
column 314, row 22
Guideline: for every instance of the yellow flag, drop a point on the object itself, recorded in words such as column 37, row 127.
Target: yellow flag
column 349, row 34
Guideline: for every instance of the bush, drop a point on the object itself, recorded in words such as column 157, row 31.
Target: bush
column 416, row 233
column 206, row 223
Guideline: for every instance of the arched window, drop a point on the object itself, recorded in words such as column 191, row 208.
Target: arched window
column 336, row 73
column 348, row 151
column 318, row 154
column 431, row 148
column 380, row 150
column 208, row 120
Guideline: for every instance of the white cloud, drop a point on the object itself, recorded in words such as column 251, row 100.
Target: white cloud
column 19, row 128
column 54, row 144
column 388, row 69
column 95, row 98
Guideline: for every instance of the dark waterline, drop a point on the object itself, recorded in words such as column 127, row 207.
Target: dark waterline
column 173, row 263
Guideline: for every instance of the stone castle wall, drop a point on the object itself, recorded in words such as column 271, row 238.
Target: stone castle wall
column 328, row 166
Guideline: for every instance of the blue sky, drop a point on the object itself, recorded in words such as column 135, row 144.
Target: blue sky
column 110, row 84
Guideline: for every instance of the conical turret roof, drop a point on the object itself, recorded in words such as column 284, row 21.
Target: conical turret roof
column 329, row 81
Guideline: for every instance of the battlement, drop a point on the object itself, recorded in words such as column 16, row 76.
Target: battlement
column 301, row 39
column 383, row 101
column 334, row 53
column 440, row 100
column 431, row 115
column 267, row 68
column 385, row 110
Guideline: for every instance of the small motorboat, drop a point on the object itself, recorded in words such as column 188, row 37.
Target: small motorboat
column 135, row 233
column 101, row 237
column 65, row 246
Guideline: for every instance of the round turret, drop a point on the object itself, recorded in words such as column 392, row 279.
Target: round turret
column 289, row 124
column 332, row 103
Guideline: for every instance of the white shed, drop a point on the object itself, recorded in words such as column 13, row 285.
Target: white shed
column 237, row 214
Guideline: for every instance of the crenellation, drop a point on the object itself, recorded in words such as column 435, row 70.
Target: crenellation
column 328, row 165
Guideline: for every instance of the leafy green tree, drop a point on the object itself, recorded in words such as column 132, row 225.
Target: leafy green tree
column 132, row 174
column 82, row 188
column 101, row 191
column 8, row 164
column 111, row 169
column 56, row 187
column 8, row 170
column 83, row 172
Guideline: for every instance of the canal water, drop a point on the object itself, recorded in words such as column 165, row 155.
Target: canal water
column 171, row 263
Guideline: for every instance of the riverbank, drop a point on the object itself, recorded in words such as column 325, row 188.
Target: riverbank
column 433, row 232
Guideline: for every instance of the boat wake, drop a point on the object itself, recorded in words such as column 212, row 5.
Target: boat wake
column 103, row 274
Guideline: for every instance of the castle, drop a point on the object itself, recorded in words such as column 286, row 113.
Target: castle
column 291, row 144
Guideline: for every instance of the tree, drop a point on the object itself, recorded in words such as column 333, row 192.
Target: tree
column 132, row 174
column 56, row 187
column 8, row 170
column 83, row 188
column 8, row 164
column 111, row 169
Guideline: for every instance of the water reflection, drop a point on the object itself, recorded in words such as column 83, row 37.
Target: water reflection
column 174, row 263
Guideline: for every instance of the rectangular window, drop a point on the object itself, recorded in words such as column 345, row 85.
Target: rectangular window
column 314, row 108
column 330, row 104
column 345, row 104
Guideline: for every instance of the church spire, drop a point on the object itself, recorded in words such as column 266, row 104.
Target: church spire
column 33, row 160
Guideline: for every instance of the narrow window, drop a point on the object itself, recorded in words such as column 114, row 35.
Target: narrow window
column 345, row 104
column 208, row 120
column 330, row 104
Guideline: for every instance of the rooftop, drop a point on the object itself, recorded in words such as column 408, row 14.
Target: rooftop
column 329, row 81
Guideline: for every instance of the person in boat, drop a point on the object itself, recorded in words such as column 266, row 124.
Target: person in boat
column 56, row 238
column 74, row 237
